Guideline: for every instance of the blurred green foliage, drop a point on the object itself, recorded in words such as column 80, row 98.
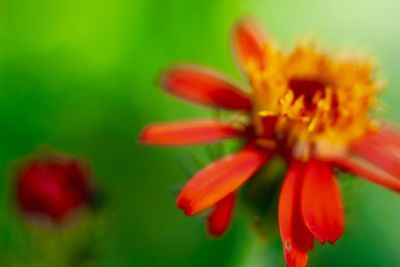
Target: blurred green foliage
column 81, row 77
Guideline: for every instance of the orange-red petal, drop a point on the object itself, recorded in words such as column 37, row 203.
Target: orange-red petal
column 248, row 43
column 220, row 218
column 321, row 202
column 368, row 171
column 382, row 149
column 205, row 87
column 387, row 135
column 296, row 238
column 219, row 179
column 188, row 132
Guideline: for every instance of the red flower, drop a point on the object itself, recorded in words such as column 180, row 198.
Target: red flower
column 307, row 106
column 52, row 187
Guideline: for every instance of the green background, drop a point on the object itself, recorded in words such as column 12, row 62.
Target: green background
column 81, row 77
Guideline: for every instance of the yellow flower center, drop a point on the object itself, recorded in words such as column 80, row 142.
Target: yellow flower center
column 317, row 103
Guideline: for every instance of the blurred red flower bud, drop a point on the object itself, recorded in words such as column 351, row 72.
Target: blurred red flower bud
column 52, row 187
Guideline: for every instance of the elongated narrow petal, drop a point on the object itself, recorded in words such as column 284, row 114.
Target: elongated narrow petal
column 296, row 237
column 321, row 202
column 393, row 133
column 382, row 149
column 384, row 157
column 248, row 43
column 188, row 133
column 205, row 87
column 388, row 135
column 368, row 171
column 220, row 217
column 219, row 179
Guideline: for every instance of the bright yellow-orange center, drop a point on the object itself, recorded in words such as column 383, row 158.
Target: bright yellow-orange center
column 319, row 103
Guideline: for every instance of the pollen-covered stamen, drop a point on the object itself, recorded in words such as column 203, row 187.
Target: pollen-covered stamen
column 319, row 101
column 308, row 89
column 304, row 98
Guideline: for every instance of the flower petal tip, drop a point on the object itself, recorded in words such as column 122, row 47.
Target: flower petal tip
column 165, row 80
column 321, row 202
column 295, row 258
column 205, row 87
column 323, row 236
column 220, row 217
column 248, row 39
column 215, row 231
column 143, row 135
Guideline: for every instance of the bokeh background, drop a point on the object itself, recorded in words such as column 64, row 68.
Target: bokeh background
column 81, row 77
